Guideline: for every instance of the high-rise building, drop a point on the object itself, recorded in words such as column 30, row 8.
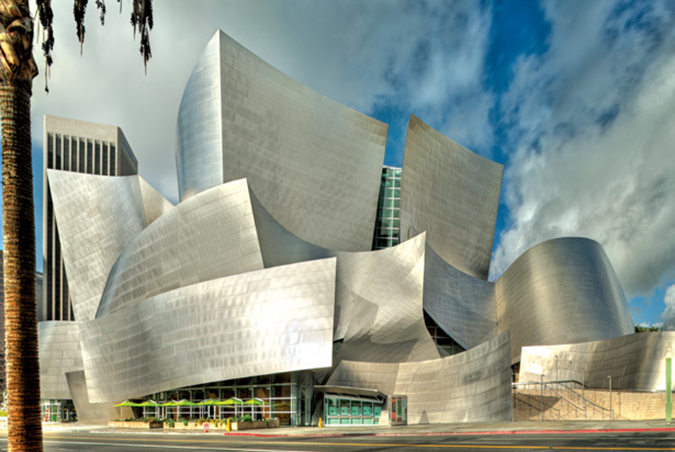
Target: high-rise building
column 388, row 209
column 81, row 147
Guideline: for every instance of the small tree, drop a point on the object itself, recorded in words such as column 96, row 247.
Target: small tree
column 17, row 70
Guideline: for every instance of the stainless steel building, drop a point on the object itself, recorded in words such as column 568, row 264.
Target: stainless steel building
column 453, row 195
column 559, row 292
column 312, row 162
column 262, row 283
column 82, row 147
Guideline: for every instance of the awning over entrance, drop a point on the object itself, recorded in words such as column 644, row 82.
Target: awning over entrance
column 348, row 391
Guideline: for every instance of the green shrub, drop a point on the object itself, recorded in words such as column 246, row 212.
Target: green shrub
column 171, row 423
column 247, row 418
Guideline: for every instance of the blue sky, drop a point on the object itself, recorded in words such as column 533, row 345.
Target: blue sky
column 575, row 98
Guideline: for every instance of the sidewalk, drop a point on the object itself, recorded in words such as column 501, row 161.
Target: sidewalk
column 474, row 428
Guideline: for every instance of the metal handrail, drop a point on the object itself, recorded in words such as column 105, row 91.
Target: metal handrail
column 589, row 402
column 547, row 386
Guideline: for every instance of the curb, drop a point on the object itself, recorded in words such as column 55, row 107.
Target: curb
column 476, row 433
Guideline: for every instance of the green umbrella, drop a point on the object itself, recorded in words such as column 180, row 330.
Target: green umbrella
column 207, row 403
column 126, row 403
column 232, row 401
column 255, row 401
column 180, row 404
column 148, row 403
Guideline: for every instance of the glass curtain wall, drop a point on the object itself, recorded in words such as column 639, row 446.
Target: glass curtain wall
column 389, row 206
column 281, row 395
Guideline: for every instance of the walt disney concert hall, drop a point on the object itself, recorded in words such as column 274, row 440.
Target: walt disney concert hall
column 298, row 271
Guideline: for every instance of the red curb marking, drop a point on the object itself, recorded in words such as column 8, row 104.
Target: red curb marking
column 503, row 432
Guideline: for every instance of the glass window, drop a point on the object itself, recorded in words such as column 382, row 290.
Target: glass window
column 113, row 155
column 66, row 153
column 82, row 154
column 73, row 154
column 90, row 156
column 105, row 159
column 59, row 156
column 50, row 150
column 97, row 157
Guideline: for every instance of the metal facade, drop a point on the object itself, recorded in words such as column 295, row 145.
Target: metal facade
column 561, row 291
column 463, row 306
column 261, row 322
column 88, row 413
column 313, row 163
column 379, row 304
column 83, row 147
column 97, row 218
column 209, row 236
column 474, row 386
column 635, row 361
column 378, row 294
column 59, row 353
column 453, row 195
column 154, row 204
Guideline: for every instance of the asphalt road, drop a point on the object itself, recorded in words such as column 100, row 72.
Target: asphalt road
column 100, row 442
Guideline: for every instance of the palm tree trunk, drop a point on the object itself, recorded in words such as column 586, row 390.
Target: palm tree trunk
column 21, row 339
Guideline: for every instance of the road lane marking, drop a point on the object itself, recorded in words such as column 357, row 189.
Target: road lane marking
column 165, row 446
column 218, row 441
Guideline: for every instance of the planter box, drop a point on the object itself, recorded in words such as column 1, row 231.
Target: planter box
column 238, row 426
column 132, row 424
column 178, row 425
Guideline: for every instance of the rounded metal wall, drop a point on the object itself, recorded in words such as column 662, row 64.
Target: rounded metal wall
column 559, row 292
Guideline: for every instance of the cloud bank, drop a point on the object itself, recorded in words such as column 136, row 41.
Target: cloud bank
column 592, row 136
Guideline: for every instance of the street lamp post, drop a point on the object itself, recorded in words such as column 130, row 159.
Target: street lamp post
column 610, row 397
column 541, row 406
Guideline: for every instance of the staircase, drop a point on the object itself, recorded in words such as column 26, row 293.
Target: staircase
column 558, row 400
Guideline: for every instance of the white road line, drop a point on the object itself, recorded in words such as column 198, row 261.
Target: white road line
column 165, row 446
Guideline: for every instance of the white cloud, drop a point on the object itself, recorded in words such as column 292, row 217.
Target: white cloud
column 593, row 141
column 669, row 313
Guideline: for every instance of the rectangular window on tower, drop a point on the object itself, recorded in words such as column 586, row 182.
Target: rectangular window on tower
column 104, row 159
column 90, row 157
column 97, row 153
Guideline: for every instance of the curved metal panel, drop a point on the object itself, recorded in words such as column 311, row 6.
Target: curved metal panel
column 278, row 245
column 379, row 304
column 474, row 386
column 635, row 361
column 463, row 306
column 313, row 163
column 97, row 216
column 209, row 236
column 378, row 299
column 559, row 292
column 154, row 204
column 59, row 353
column 453, row 195
column 199, row 155
column 88, row 413
column 261, row 322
